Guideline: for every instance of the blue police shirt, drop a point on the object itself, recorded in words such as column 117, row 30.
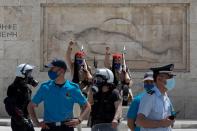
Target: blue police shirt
column 58, row 101
column 133, row 109
column 155, row 107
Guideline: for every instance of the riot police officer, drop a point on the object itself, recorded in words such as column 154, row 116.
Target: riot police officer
column 18, row 97
column 105, row 99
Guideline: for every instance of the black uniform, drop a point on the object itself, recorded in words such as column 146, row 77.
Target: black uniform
column 103, row 109
column 19, row 95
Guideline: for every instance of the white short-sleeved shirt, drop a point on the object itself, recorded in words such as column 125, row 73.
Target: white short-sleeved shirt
column 155, row 107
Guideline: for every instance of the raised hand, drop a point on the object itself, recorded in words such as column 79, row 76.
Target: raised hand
column 70, row 46
column 107, row 50
column 85, row 66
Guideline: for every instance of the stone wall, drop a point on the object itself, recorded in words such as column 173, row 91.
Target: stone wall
column 35, row 31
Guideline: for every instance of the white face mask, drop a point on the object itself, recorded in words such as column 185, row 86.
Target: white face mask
column 170, row 84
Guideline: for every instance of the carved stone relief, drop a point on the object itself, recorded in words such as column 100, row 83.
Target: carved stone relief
column 153, row 34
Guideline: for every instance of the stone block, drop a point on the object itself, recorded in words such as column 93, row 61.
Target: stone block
column 190, row 107
column 193, row 36
column 9, row 2
column 185, row 88
column 73, row 1
column 193, row 28
column 7, row 67
column 116, row 1
column 1, row 49
column 20, row 49
column 193, row 14
column 179, row 105
column 31, row 2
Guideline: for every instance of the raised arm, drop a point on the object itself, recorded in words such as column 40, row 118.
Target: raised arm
column 68, row 54
column 107, row 58
column 87, row 71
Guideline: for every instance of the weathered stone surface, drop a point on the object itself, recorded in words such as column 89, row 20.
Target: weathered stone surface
column 117, row 26
column 190, row 108
column 16, row 23
column 19, row 49
column 7, row 68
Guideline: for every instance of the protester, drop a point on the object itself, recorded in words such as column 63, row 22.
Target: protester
column 122, row 78
column 79, row 69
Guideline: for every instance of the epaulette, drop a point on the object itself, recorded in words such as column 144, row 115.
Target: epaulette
column 151, row 92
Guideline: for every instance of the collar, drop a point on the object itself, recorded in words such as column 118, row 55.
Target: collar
column 62, row 85
column 158, row 93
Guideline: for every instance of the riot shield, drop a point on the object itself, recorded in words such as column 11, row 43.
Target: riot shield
column 108, row 127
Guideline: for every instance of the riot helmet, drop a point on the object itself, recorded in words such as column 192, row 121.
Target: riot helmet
column 25, row 71
column 102, row 76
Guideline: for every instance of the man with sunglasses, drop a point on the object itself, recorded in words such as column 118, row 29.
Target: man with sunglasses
column 59, row 96
column 155, row 110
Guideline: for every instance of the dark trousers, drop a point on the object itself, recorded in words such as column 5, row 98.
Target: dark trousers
column 18, row 125
column 59, row 128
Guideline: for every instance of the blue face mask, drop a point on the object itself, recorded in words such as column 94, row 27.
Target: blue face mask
column 148, row 87
column 52, row 75
column 79, row 62
column 170, row 84
column 117, row 66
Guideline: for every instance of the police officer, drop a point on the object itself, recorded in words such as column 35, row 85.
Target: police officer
column 105, row 99
column 134, row 106
column 59, row 96
column 155, row 110
column 122, row 78
column 18, row 97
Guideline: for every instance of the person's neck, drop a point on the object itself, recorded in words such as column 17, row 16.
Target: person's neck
column 161, row 89
column 60, row 80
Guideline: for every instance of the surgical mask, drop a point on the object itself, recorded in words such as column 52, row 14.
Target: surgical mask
column 117, row 66
column 148, row 87
column 52, row 75
column 170, row 84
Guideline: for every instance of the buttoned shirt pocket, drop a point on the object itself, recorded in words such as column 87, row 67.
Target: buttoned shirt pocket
column 158, row 108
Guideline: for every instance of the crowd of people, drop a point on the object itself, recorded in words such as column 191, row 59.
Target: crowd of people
column 100, row 95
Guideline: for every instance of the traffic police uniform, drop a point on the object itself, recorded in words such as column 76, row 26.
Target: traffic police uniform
column 156, row 106
column 58, row 102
